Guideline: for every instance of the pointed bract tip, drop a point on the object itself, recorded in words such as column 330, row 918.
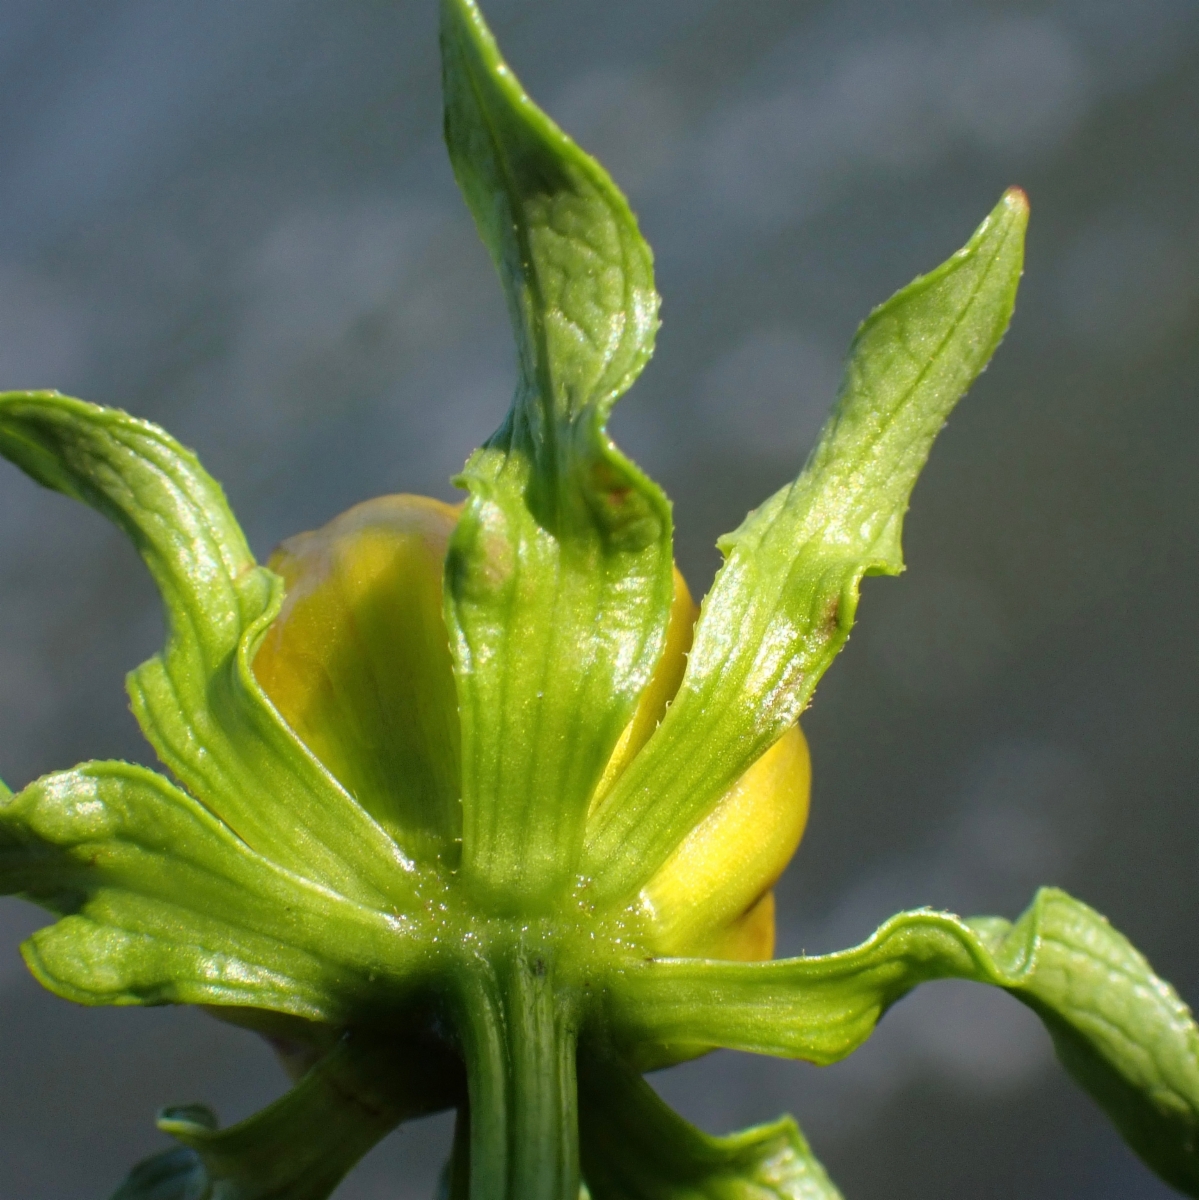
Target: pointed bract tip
column 1016, row 198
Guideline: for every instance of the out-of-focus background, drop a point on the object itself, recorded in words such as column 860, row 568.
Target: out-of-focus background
column 238, row 220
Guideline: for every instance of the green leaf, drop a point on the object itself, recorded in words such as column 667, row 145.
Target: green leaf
column 784, row 601
column 635, row 1147
column 161, row 903
column 198, row 702
column 1121, row 1032
column 176, row 1174
column 300, row 1147
column 559, row 572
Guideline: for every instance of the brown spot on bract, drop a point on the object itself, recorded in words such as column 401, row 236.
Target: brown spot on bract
column 832, row 617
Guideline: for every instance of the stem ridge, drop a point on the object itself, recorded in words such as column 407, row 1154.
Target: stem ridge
column 517, row 1034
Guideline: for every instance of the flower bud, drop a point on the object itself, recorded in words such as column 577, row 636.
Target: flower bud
column 712, row 896
column 358, row 664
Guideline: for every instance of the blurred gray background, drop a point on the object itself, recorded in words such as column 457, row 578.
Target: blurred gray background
column 236, row 218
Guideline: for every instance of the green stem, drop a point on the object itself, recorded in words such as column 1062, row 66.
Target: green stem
column 455, row 1178
column 516, row 1030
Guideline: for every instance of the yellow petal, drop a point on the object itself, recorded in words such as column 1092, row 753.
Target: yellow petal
column 358, row 662
column 750, row 938
column 712, row 896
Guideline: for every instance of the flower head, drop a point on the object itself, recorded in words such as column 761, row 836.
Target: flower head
column 473, row 808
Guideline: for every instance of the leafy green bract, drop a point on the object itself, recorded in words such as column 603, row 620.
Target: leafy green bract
column 300, row 1147
column 176, row 1174
column 784, row 601
column 635, row 1147
column 559, row 574
column 1121, row 1032
column 160, row 902
column 198, row 702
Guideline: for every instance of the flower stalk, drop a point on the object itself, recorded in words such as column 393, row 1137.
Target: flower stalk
column 517, row 1022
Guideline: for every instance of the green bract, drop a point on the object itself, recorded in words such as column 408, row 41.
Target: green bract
column 456, row 912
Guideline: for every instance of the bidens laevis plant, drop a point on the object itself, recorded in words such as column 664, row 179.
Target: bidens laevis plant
column 474, row 810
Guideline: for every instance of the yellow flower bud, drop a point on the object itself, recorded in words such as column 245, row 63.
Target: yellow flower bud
column 712, row 896
column 358, row 664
